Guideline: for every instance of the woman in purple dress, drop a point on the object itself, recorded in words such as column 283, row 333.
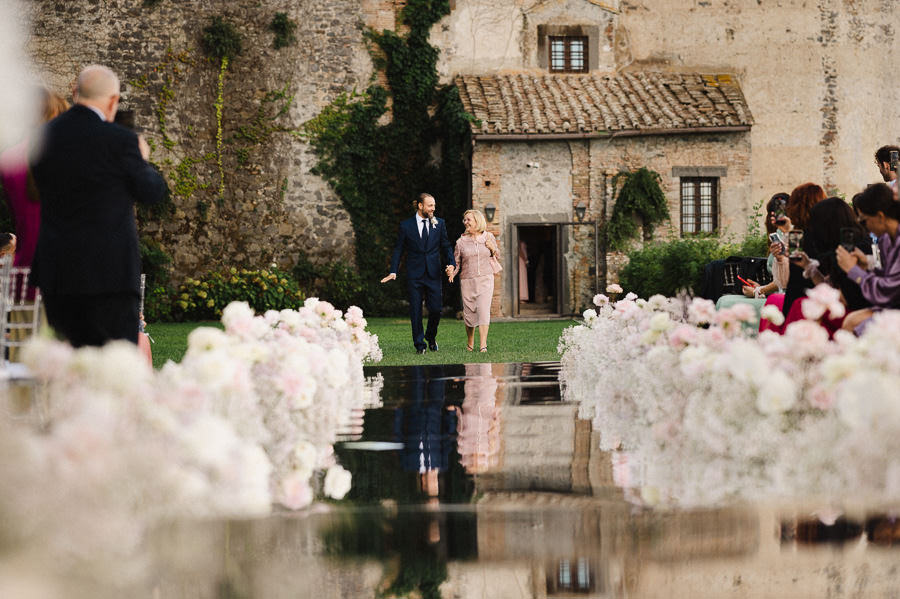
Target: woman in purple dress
column 879, row 212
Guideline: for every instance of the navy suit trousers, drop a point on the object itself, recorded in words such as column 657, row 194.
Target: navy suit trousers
column 430, row 290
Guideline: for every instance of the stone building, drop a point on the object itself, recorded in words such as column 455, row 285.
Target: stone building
column 813, row 74
column 547, row 147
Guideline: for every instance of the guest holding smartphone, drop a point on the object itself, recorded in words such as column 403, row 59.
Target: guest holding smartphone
column 880, row 285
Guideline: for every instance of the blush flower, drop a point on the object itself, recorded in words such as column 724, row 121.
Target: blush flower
column 701, row 310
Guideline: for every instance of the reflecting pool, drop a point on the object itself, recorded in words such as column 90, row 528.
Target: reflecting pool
column 477, row 480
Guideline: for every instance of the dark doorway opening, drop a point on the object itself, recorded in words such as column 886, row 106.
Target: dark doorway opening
column 538, row 270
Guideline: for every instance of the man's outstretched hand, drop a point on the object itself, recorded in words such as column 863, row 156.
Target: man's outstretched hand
column 390, row 277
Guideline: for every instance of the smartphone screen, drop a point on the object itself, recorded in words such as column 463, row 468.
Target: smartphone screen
column 794, row 238
column 848, row 239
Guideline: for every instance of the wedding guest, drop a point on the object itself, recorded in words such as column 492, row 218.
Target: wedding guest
column 816, row 263
column 523, row 272
column 476, row 255
column 21, row 196
column 755, row 294
column 879, row 284
column 798, row 209
column 89, row 173
column 7, row 244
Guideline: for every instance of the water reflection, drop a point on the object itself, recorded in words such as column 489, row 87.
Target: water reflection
column 478, row 481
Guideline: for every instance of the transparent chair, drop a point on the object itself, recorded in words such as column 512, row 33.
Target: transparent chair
column 22, row 312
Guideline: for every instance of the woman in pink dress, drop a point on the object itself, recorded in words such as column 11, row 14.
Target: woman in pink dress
column 476, row 262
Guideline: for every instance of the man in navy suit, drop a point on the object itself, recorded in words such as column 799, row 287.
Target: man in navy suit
column 423, row 237
column 89, row 174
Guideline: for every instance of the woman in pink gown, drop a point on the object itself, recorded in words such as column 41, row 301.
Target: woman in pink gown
column 476, row 262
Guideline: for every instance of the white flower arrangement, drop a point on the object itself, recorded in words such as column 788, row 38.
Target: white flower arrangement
column 248, row 418
column 701, row 413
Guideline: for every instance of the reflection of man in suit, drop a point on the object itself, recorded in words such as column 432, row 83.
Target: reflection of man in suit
column 426, row 427
column 89, row 172
column 423, row 237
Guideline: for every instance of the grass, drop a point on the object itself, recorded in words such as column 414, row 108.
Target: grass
column 520, row 341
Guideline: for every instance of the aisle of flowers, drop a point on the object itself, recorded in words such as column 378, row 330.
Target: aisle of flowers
column 696, row 411
column 102, row 447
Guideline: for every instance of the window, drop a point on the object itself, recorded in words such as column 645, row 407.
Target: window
column 699, row 205
column 572, row 577
column 568, row 48
column 568, row 54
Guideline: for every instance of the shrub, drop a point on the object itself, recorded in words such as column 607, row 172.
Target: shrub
column 668, row 267
column 283, row 28
column 221, row 39
column 338, row 282
column 205, row 298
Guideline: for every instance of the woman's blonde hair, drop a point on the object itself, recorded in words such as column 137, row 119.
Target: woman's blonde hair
column 480, row 222
column 52, row 104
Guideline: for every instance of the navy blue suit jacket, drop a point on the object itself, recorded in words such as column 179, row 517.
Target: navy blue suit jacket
column 89, row 175
column 421, row 261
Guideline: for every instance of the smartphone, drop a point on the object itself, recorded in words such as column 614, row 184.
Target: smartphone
column 775, row 238
column 795, row 236
column 895, row 158
column 848, row 238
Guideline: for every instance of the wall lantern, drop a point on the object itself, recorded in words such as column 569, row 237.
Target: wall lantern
column 579, row 211
column 489, row 211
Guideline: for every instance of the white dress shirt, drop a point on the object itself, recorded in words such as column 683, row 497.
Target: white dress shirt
column 422, row 224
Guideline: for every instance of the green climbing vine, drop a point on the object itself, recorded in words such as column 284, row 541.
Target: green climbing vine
column 222, row 42
column 377, row 169
column 273, row 105
column 641, row 196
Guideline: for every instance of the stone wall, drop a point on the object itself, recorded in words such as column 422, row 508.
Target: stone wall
column 814, row 74
column 272, row 206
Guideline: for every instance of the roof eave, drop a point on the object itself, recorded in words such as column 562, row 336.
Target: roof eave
column 606, row 134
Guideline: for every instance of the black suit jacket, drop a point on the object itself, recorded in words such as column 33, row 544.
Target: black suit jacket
column 422, row 261
column 89, row 174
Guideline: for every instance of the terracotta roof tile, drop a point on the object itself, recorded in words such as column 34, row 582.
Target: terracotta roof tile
column 602, row 103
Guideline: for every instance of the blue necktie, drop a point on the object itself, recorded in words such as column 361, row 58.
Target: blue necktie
column 425, row 232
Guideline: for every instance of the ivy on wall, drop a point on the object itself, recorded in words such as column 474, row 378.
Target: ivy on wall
column 284, row 28
column 376, row 169
column 640, row 196
column 221, row 41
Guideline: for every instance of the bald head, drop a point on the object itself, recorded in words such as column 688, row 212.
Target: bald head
column 98, row 86
column 96, row 82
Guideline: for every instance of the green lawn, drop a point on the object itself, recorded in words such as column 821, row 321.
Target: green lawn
column 521, row 341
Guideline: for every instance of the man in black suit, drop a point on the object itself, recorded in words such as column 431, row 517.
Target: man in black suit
column 423, row 237
column 89, row 173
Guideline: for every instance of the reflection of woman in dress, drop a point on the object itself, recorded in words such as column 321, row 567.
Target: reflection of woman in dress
column 478, row 428
column 476, row 259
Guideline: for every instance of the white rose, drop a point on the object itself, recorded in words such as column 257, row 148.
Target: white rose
column 772, row 314
column 337, row 482
column 590, row 316
column 778, row 393
column 613, row 288
column 660, row 323
column 657, row 302
column 305, row 458
column 204, row 339
column 601, row 300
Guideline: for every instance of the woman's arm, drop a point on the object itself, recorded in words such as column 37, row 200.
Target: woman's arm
column 457, row 257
